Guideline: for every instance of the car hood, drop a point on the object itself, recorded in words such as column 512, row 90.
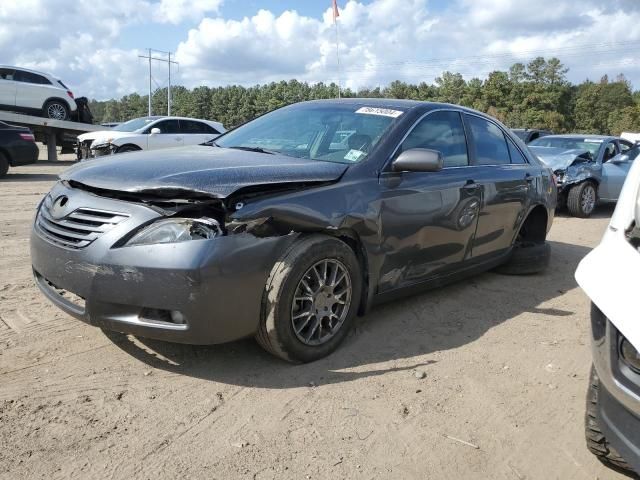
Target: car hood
column 557, row 158
column 94, row 135
column 212, row 171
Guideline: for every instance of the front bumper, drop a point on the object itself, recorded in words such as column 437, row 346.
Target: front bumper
column 216, row 285
column 618, row 407
column 24, row 153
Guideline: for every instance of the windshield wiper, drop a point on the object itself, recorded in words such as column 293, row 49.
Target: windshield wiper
column 255, row 149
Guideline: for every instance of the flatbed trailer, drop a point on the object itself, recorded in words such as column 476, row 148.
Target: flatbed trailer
column 49, row 131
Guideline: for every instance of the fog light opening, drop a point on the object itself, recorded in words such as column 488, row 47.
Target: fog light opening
column 158, row 315
column 630, row 355
column 177, row 317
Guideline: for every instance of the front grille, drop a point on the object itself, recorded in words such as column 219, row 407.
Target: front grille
column 77, row 229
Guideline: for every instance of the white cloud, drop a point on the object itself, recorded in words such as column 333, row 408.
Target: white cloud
column 177, row 11
column 380, row 41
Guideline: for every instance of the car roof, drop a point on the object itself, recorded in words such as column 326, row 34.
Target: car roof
column 586, row 136
column 209, row 122
column 29, row 70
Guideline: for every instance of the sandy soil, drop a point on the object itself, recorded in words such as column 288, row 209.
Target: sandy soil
column 504, row 362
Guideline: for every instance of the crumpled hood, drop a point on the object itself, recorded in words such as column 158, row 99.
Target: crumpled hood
column 557, row 158
column 100, row 134
column 213, row 171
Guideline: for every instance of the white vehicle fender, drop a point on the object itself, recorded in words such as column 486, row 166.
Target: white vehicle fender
column 608, row 274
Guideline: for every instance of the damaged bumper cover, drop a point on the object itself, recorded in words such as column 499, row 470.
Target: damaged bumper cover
column 197, row 292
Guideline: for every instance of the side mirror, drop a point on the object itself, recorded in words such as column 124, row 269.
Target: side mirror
column 155, row 131
column 620, row 158
column 418, row 160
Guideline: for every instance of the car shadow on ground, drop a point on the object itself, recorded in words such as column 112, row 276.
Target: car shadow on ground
column 435, row 321
column 602, row 210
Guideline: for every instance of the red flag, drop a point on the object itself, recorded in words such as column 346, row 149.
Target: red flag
column 336, row 12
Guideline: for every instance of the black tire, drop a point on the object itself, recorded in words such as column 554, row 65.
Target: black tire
column 128, row 148
column 276, row 332
column 4, row 165
column 56, row 110
column 576, row 199
column 527, row 258
column 596, row 441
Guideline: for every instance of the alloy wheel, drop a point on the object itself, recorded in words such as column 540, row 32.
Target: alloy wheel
column 56, row 111
column 588, row 199
column 321, row 302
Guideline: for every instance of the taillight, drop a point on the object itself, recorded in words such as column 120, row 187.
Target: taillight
column 28, row 137
column 70, row 93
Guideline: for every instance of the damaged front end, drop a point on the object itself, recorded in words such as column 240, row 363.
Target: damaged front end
column 169, row 263
column 570, row 167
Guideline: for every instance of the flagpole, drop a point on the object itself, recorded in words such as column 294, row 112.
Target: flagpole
column 335, row 22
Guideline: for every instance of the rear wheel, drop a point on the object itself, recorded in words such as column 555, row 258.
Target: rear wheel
column 56, row 110
column 596, row 441
column 4, row 165
column 310, row 300
column 581, row 200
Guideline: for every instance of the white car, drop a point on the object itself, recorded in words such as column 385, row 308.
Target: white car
column 608, row 275
column 148, row 133
column 37, row 93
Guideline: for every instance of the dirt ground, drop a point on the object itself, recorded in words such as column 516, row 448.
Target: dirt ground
column 504, row 362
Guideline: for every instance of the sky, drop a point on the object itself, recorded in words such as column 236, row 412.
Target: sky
column 94, row 46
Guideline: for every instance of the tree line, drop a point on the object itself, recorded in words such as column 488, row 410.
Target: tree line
column 535, row 95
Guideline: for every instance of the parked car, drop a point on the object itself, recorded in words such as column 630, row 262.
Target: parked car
column 36, row 93
column 281, row 231
column 148, row 133
column 608, row 276
column 588, row 168
column 17, row 147
column 529, row 134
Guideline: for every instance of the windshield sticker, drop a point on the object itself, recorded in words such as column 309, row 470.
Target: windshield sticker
column 386, row 112
column 592, row 140
column 354, row 155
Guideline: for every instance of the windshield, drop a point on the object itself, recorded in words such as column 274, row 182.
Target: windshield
column 332, row 133
column 569, row 143
column 133, row 125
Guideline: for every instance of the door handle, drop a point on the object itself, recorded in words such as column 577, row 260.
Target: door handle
column 528, row 177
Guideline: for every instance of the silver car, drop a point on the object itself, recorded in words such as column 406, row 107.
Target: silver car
column 588, row 168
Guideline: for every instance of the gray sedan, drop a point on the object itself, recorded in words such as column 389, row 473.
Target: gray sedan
column 588, row 168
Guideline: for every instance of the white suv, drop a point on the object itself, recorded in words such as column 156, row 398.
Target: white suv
column 35, row 92
column 148, row 133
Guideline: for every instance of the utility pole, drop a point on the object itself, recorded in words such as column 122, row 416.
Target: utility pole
column 169, row 62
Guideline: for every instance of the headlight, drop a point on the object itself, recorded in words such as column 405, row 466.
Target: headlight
column 176, row 230
column 559, row 176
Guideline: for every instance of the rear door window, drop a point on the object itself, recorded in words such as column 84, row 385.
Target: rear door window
column 194, row 127
column 488, row 142
column 442, row 131
column 515, row 153
column 28, row 77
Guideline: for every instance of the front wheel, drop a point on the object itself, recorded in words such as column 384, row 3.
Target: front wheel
column 310, row 300
column 127, row 148
column 56, row 110
column 581, row 200
column 597, row 443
